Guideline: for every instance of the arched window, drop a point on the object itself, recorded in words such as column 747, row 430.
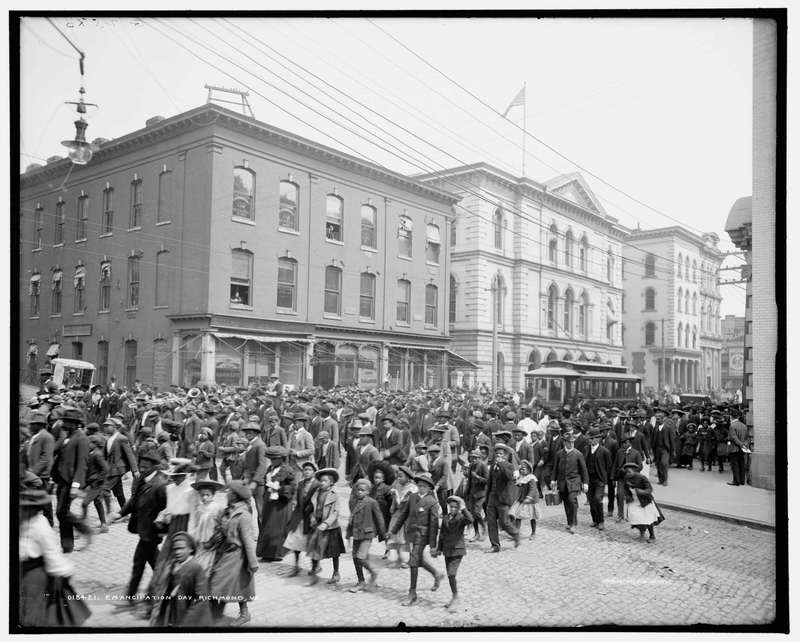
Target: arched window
column 162, row 278
column 431, row 305
column 534, row 359
column 288, row 206
column 369, row 227
column 498, row 229
column 609, row 266
column 453, row 299
column 131, row 350
column 244, row 190
column 703, row 317
column 649, row 265
column 334, row 218
column 680, row 265
column 433, row 243
column 688, row 336
column 568, row 248
column 568, row 356
column 686, row 302
column 687, row 272
column 611, row 320
column 694, row 303
column 367, row 298
column 584, row 254
column 649, row 299
column 650, row 334
column 583, row 315
column 680, row 335
column 552, row 300
column 34, row 291
column 403, row 301
column 694, row 271
column 287, row 284
column 105, row 285
column 333, row 291
column 79, row 286
column 553, row 244
column 680, row 299
column 569, row 300
column 405, row 234
column 694, row 338
column 551, row 356
column 241, row 277
column 134, row 281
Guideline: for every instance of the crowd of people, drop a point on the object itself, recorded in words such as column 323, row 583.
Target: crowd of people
column 225, row 478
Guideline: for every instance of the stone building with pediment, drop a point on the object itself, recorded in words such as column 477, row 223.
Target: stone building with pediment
column 543, row 260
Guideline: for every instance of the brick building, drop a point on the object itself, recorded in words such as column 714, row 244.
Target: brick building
column 212, row 247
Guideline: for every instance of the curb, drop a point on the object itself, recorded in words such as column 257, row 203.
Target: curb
column 742, row 521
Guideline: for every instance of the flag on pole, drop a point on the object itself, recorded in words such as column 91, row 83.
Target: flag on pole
column 519, row 99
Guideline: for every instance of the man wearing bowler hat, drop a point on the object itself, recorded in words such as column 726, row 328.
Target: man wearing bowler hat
column 366, row 453
column 395, row 442
column 570, row 477
column 69, row 472
column 40, row 454
column 598, row 465
column 501, row 492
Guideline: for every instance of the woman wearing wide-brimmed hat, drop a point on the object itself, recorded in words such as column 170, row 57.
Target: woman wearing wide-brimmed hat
column 46, row 597
column 279, row 492
column 326, row 537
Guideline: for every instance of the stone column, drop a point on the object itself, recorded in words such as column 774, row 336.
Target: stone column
column 208, row 358
column 176, row 359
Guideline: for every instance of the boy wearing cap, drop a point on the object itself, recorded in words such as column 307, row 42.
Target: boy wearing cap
column 501, row 493
column 365, row 522
column 421, row 513
column 451, row 543
column 96, row 471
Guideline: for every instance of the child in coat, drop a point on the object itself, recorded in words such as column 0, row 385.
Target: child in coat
column 380, row 492
column 527, row 504
column 326, row 537
column 365, row 522
column 451, row 542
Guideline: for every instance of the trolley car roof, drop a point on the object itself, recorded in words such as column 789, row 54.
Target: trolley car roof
column 566, row 372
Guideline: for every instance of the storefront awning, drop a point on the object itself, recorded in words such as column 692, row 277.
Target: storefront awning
column 260, row 338
column 453, row 360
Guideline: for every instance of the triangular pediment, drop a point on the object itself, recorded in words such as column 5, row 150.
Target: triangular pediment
column 574, row 187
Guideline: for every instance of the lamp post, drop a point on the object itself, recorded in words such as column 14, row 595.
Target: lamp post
column 80, row 151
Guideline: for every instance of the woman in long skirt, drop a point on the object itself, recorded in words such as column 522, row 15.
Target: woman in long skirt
column 641, row 509
column 326, row 537
column 401, row 489
column 203, row 520
column 45, row 595
column 277, row 508
column 231, row 577
column 300, row 520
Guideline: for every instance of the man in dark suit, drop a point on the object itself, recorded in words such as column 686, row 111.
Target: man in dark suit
column 626, row 454
column 663, row 447
column 522, row 447
column 254, row 472
column 148, row 499
column 570, row 477
column 500, row 494
column 326, row 453
column 69, row 472
column 598, row 465
column 394, row 443
column 329, row 424
column 120, row 458
column 554, row 444
column 737, row 436
column 610, row 443
column 40, row 454
column 366, row 452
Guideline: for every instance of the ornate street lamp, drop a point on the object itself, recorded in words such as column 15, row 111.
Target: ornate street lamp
column 80, row 151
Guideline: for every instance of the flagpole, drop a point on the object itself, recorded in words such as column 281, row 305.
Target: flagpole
column 524, row 122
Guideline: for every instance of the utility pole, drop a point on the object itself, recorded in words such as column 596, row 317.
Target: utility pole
column 494, row 334
column 663, row 362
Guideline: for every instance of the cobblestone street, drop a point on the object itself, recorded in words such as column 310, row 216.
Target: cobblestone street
column 700, row 570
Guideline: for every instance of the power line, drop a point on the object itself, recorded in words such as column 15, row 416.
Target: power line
column 527, row 133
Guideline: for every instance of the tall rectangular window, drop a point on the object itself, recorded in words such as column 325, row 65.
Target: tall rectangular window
column 244, row 192
column 61, row 217
column 162, row 278
column 241, row 277
column 431, row 304
column 108, row 210
column 333, row 291
column 77, row 350
column 55, row 301
column 136, row 204
column 83, row 218
column 287, row 284
column 405, row 234
column 403, row 301
column 166, row 196
column 133, row 282
column 288, row 217
column 37, row 228
column 433, row 243
column 79, row 284
column 34, row 292
column 334, row 218
column 131, row 348
column 102, row 363
column 105, row 286
column 367, row 300
column 369, row 227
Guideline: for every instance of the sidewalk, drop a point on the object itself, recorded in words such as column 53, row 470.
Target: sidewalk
column 708, row 494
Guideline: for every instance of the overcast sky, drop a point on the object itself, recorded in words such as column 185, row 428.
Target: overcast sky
column 659, row 108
